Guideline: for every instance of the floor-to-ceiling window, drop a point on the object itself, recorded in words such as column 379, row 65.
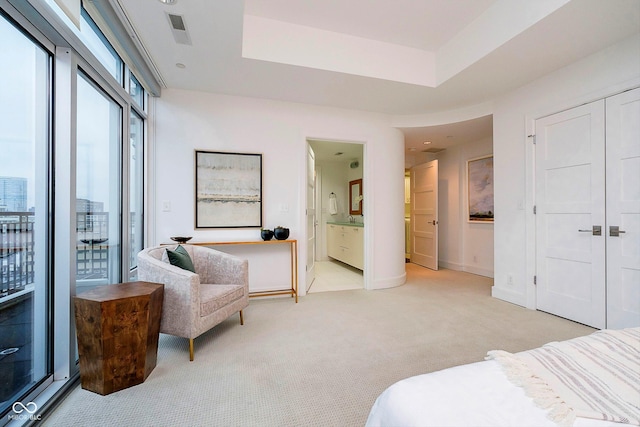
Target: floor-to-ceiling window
column 24, row 216
column 136, row 187
column 73, row 125
column 98, row 189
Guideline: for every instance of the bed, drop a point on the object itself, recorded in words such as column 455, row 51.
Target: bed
column 591, row 381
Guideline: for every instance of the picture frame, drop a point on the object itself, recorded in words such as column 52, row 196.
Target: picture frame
column 228, row 190
column 480, row 202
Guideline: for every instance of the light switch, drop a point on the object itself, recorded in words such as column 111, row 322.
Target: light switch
column 166, row 206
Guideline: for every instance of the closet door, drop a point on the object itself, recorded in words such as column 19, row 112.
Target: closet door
column 424, row 214
column 570, row 202
column 623, row 210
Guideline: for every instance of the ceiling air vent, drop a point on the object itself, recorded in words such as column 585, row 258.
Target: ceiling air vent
column 179, row 29
column 433, row 150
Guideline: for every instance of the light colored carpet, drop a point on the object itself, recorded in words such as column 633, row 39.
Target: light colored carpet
column 321, row 362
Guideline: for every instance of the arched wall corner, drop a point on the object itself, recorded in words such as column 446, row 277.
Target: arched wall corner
column 390, row 282
column 384, row 243
column 443, row 117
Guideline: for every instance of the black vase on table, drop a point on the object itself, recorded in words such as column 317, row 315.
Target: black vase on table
column 266, row 234
column 281, row 233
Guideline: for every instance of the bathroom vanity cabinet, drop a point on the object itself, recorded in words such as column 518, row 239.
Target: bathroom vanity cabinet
column 345, row 242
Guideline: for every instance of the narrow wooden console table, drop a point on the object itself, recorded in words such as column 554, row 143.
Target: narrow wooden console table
column 293, row 246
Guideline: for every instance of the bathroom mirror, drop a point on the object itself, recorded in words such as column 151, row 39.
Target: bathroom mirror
column 355, row 197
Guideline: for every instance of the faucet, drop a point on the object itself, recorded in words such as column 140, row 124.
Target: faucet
column 351, row 218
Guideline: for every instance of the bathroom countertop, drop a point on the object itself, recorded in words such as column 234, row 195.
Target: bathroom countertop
column 347, row 223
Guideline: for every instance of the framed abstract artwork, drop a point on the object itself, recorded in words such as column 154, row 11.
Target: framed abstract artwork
column 480, row 189
column 228, row 190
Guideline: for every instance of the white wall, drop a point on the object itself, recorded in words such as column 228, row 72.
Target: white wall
column 462, row 246
column 605, row 73
column 186, row 121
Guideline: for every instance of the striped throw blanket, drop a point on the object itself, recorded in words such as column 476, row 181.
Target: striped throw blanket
column 596, row 376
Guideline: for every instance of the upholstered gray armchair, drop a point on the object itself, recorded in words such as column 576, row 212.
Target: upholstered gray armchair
column 196, row 302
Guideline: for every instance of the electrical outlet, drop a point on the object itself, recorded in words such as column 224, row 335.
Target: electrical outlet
column 166, row 206
column 475, row 259
column 509, row 280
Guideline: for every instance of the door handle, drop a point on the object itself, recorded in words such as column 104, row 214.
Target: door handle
column 614, row 231
column 436, row 222
column 596, row 230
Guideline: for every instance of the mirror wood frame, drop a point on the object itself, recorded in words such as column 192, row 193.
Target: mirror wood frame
column 355, row 190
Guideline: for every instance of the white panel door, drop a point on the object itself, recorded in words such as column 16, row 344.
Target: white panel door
column 623, row 210
column 570, row 253
column 424, row 215
column 311, row 217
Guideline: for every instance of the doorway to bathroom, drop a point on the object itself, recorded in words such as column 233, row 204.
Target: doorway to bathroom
column 335, row 249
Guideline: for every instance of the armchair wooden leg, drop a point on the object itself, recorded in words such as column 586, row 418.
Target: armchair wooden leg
column 241, row 318
column 191, row 349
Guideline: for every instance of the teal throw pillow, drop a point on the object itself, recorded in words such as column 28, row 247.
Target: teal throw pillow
column 180, row 258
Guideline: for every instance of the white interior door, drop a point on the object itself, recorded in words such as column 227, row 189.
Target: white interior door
column 623, row 210
column 311, row 217
column 570, row 253
column 424, row 214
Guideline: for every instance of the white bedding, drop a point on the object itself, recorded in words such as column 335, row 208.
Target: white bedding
column 477, row 394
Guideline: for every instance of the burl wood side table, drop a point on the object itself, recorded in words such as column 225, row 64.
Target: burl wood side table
column 117, row 329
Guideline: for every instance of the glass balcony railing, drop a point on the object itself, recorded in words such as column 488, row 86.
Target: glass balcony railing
column 16, row 252
column 17, row 249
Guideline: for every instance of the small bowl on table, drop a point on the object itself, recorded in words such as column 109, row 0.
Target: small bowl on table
column 180, row 239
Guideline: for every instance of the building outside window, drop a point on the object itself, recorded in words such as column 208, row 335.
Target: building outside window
column 13, row 194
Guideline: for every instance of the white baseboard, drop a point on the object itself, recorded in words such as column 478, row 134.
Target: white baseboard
column 467, row 268
column 509, row 296
column 479, row 271
column 390, row 282
column 450, row 265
